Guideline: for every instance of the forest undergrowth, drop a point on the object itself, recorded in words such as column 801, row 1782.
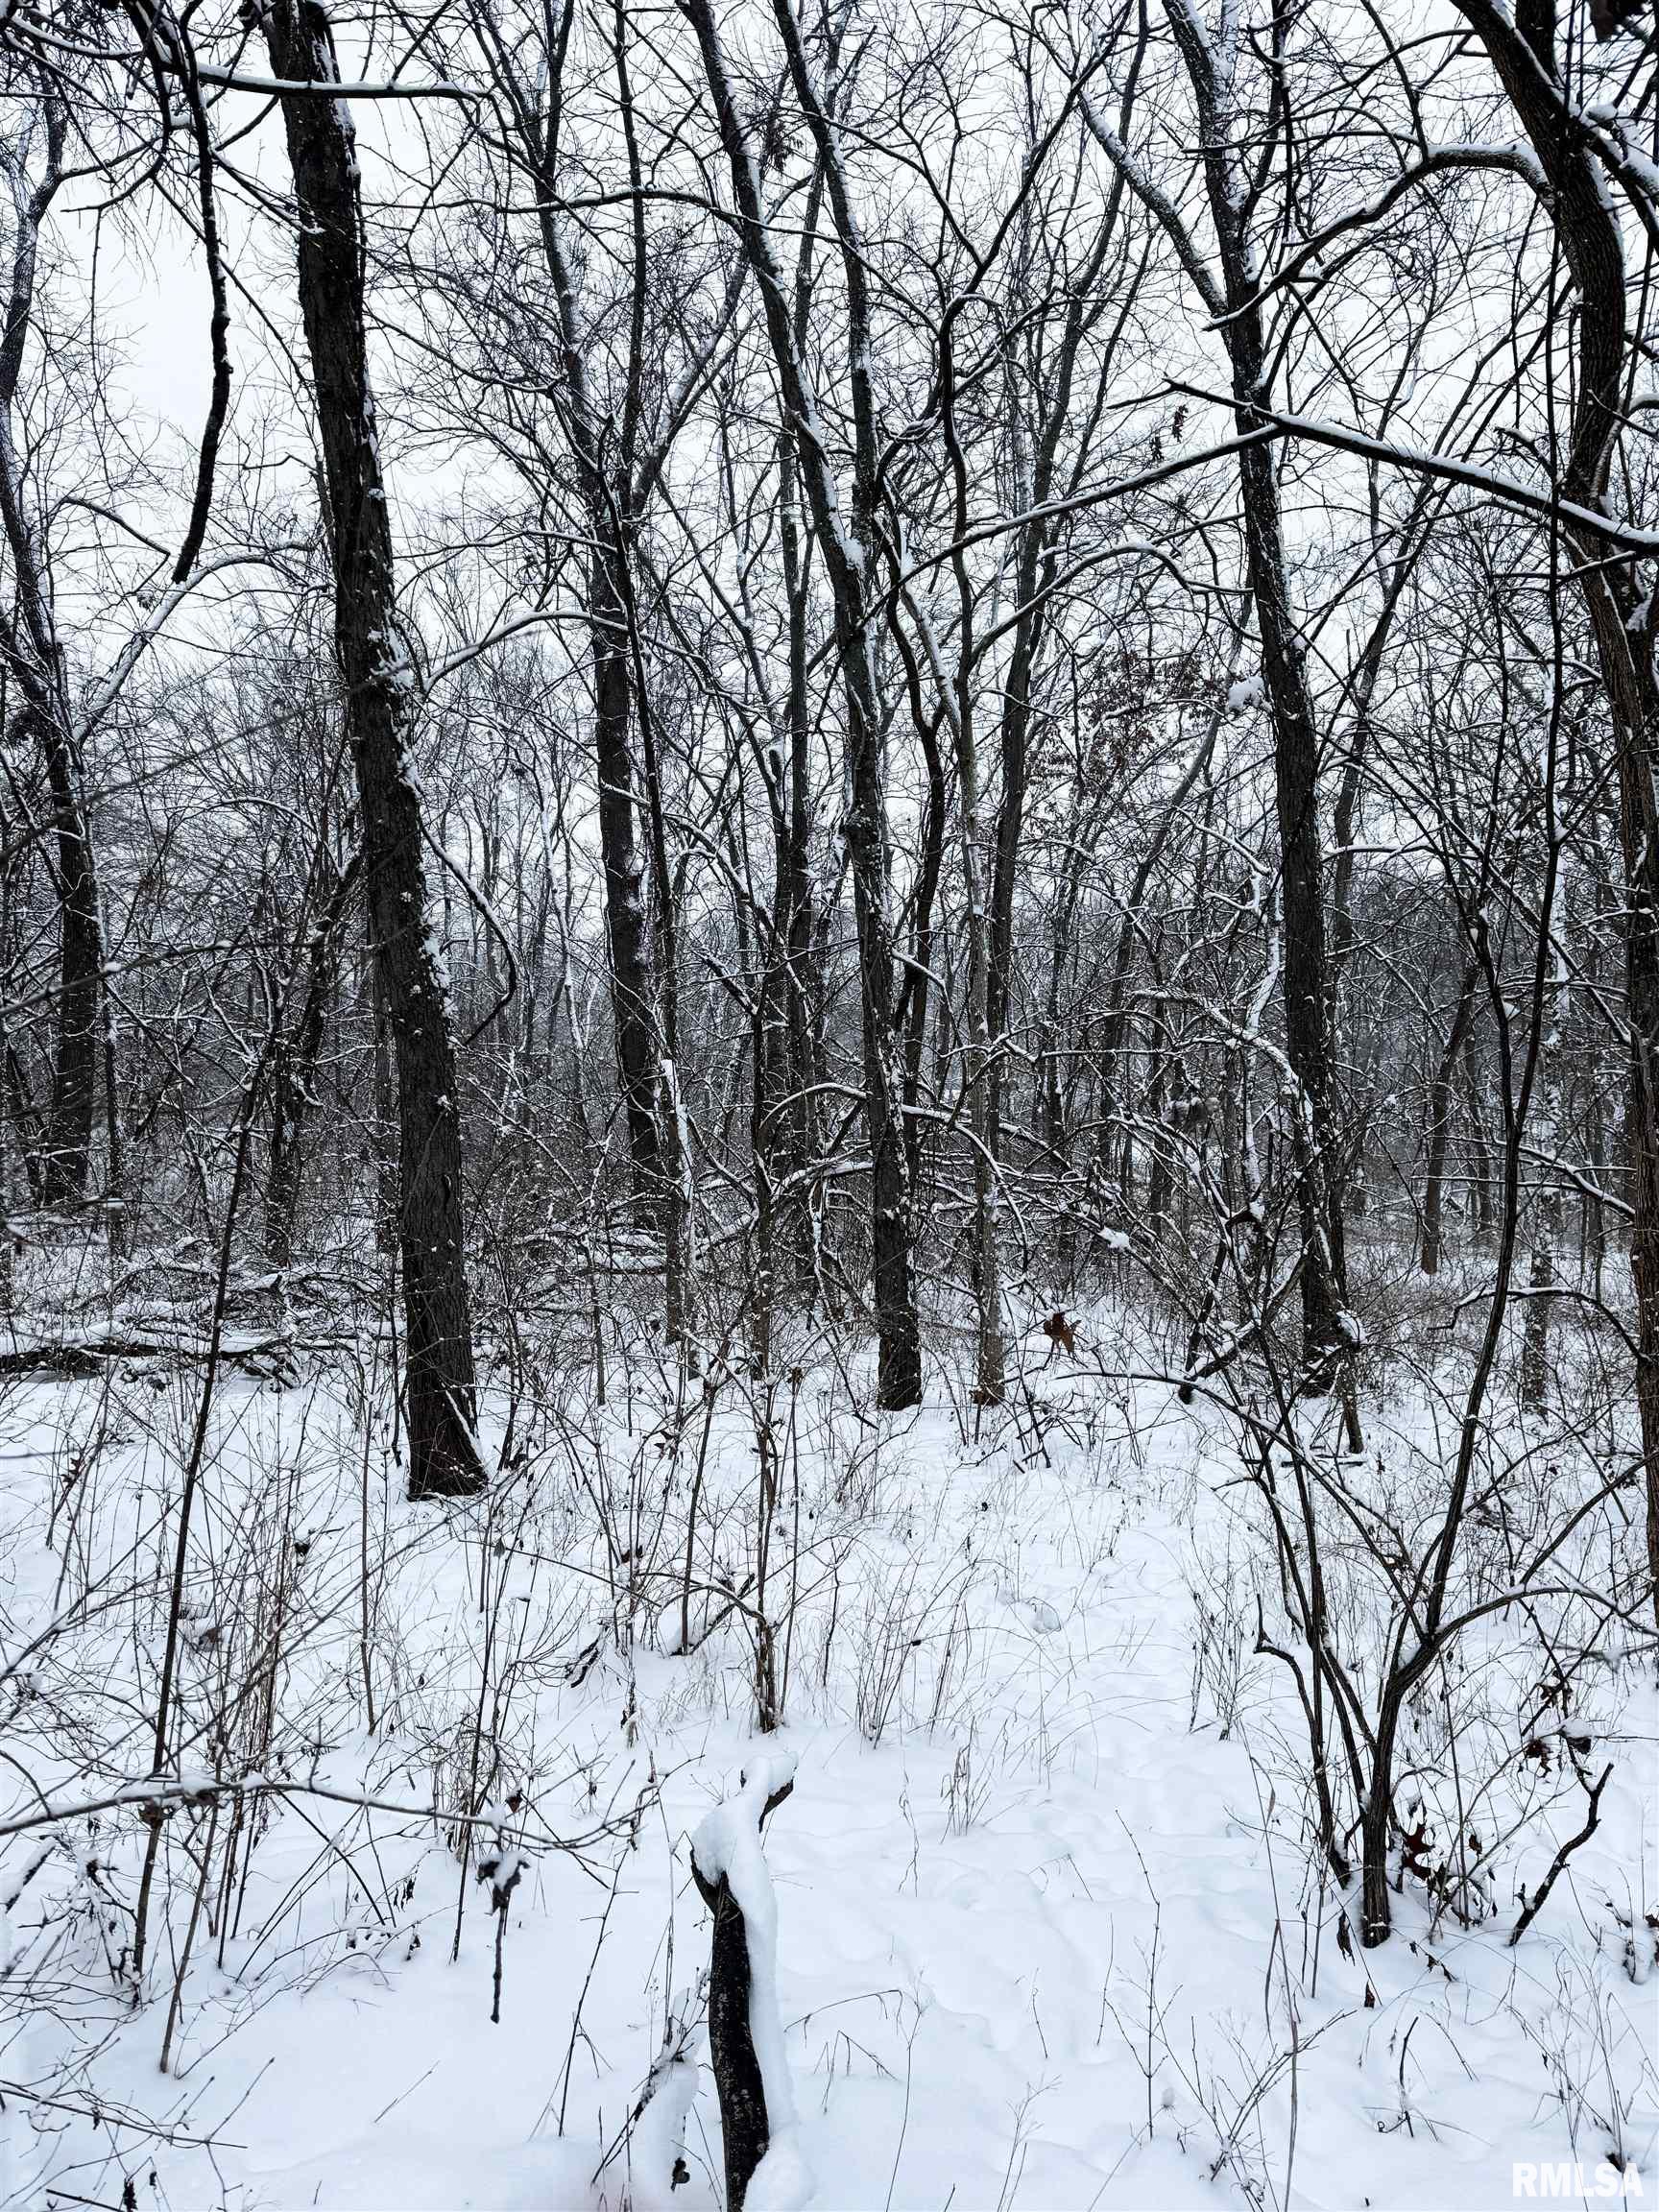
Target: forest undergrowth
column 407, row 1917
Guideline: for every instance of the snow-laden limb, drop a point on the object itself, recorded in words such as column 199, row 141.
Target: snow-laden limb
column 1589, row 523
column 727, row 1846
column 784, row 2181
column 110, row 687
column 166, row 1793
column 369, row 88
column 654, row 2142
column 499, row 632
column 1159, row 205
column 239, row 80
column 1308, row 260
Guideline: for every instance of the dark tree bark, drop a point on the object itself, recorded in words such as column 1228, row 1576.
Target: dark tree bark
column 33, row 655
column 1440, row 1119
column 786, row 1054
column 440, row 1385
column 1295, row 775
column 1230, row 290
column 294, row 1060
column 25, row 1119
column 744, row 2131
column 67, row 1150
column 794, row 866
column 626, row 926
column 745, row 2126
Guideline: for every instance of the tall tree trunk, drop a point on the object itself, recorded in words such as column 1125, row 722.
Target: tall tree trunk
column 33, row 653
column 440, row 1383
column 294, row 1060
column 1232, row 298
column 74, row 1109
column 794, row 864
column 607, row 492
column 678, row 1191
column 1440, row 1119
column 1534, row 1379
column 986, row 1018
column 1307, row 990
column 1112, row 1057
column 1581, row 206
column 848, row 541
column 1014, row 731
column 785, row 1066
column 1480, row 1171
column 626, row 925
column 530, row 88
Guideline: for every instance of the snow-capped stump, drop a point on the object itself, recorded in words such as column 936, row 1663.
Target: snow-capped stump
column 765, row 2169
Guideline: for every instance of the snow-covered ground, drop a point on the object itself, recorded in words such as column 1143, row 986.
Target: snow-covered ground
column 1049, row 1929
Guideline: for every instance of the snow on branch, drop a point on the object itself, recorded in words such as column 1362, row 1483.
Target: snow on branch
column 765, row 2169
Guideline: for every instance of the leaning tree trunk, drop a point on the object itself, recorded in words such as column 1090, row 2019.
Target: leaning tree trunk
column 748, row 2124
column 440, row 1386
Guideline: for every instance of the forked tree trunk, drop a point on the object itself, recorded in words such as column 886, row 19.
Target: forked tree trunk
column 440, row 1385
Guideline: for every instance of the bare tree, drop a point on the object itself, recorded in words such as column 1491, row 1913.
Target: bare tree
column 33, row 164
column 1238, row 164
column 848, row 539
column 379, row 685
